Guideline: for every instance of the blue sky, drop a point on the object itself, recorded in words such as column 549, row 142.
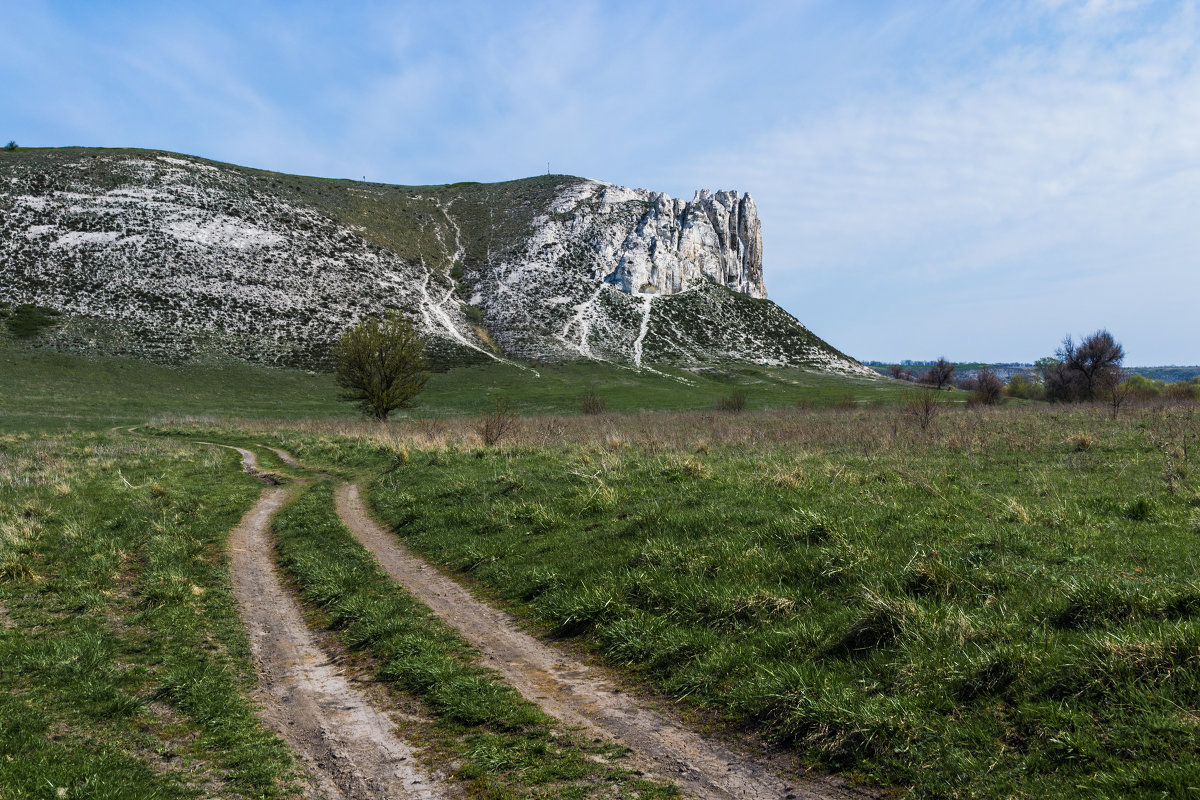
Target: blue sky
column 973, row 179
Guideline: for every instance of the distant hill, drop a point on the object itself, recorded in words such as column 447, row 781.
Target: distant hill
column 177, row 258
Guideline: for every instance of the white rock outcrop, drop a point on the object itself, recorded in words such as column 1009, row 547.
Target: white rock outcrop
column 150, row 253
column 675, row 243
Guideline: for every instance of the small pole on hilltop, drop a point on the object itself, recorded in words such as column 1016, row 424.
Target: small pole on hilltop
column 547, row 167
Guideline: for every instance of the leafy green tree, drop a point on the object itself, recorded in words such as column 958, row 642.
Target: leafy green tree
column 1144, row 388
column 381, row 365
column 1025, row 387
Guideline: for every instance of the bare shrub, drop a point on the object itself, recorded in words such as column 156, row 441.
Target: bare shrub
column 498, row 425
column 986, row 388
column 921, row 408
column 1083, row 372
column 1117, row 391
column 734, row 402
column 901, row 374
column 592, row 403
column 940, row 375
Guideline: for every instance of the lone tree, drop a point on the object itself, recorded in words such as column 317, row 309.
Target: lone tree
column 940, row 375
column 381, row 365
column 1084, row 371
column 12, row 145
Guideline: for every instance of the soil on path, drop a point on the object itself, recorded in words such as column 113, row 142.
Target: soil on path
column 575, row 693
column 348, row 747
column 284, row 456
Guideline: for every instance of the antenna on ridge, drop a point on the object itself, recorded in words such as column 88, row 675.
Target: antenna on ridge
column 547, row 167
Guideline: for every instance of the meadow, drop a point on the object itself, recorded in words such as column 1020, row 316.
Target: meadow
column 41, row 390
column 1001, row 603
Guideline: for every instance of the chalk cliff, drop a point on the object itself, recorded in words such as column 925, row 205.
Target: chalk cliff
column 177, row 258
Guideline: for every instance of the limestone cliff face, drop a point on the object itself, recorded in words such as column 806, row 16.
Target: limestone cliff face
column 674, row 244
column 179, row 258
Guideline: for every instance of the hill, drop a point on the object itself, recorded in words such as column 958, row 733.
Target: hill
column 179, row 259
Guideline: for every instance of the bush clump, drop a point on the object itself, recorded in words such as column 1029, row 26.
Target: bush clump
column 27, row 321
column 592, row 403
column 734, row 402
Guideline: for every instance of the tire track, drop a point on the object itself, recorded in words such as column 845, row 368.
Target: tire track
column 575, row 693
column 284, row 456
column 348, row 747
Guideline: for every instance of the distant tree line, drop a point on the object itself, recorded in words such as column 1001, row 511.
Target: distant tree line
column 1089, row 371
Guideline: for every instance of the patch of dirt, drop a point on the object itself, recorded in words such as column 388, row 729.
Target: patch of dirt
column 578, row 694
column 284, row 456
column 6, row 622
column 348, row 747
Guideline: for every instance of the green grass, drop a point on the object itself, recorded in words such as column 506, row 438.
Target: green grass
column 1006, row 606
column 125, row 666
column 48, row 390
column 502, row 745
column 42, row 390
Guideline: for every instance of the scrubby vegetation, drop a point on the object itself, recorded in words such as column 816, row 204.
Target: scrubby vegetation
column 27, row 321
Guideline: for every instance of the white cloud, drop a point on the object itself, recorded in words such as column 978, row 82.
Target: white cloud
column 1067, row 162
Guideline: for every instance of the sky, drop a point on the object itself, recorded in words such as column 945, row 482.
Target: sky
column 969, row 179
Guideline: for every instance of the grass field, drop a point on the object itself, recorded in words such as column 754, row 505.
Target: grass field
column 43, row 390
column 1002, row 605
column 1007, row 606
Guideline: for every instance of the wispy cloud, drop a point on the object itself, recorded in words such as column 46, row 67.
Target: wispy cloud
column 929, row 173
column 1059, row 165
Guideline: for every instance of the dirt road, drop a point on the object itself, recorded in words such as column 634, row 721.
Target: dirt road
column 575, row 693
column 349, row 748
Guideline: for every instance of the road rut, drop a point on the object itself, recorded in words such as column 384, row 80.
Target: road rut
column 575, row 693
column 348, row 747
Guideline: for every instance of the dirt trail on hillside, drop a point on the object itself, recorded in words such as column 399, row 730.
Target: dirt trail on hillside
column 575, row 693
column 348, row 747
